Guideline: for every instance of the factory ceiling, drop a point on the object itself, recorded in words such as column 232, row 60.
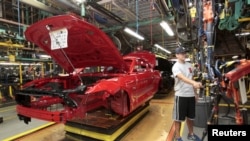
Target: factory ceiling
column 112, row 16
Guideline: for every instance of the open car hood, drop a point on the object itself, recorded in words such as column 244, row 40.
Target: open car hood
column 72, row 41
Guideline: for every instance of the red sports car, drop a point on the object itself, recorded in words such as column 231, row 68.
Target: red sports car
column 98, row 75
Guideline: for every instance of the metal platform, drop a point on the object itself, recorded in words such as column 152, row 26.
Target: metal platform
column 99, row 125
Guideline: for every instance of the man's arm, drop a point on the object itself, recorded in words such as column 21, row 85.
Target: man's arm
column 189, row 81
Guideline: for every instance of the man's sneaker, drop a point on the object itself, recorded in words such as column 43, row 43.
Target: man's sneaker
column 179, row 139
column 193, row 137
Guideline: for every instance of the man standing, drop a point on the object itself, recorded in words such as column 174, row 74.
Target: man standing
column 185, row 95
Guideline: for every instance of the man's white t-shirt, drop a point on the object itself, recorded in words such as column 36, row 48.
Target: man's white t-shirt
column 181, row 88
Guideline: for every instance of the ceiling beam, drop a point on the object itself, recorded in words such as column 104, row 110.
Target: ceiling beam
column 106, row 12
column 141, row 23
column 41, row 6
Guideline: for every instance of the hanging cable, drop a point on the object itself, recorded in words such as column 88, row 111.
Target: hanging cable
column 151, row 26
column 18, row 15
column 137, row 15
column 162, row 30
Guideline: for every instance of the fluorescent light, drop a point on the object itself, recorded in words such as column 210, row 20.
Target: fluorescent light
column 158, row 46
column 131, row 32
column 167, row 28
column 242, row 34
column 79, row 1
column 44, row 56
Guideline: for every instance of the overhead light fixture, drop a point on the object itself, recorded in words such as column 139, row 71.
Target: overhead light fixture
column 133, row 33
column 242, row 34
column 158, row 46
column 167, row 28
column 79, row 1
column 44, row 56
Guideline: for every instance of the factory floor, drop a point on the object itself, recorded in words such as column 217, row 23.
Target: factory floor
column 156, row 125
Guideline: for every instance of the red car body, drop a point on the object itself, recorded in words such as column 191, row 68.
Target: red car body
column 102, row 76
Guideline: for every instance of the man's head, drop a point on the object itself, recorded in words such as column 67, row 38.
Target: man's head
column 180, row 50
column 180, row 53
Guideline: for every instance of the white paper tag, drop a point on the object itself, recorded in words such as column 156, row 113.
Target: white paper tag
column 59, row 39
